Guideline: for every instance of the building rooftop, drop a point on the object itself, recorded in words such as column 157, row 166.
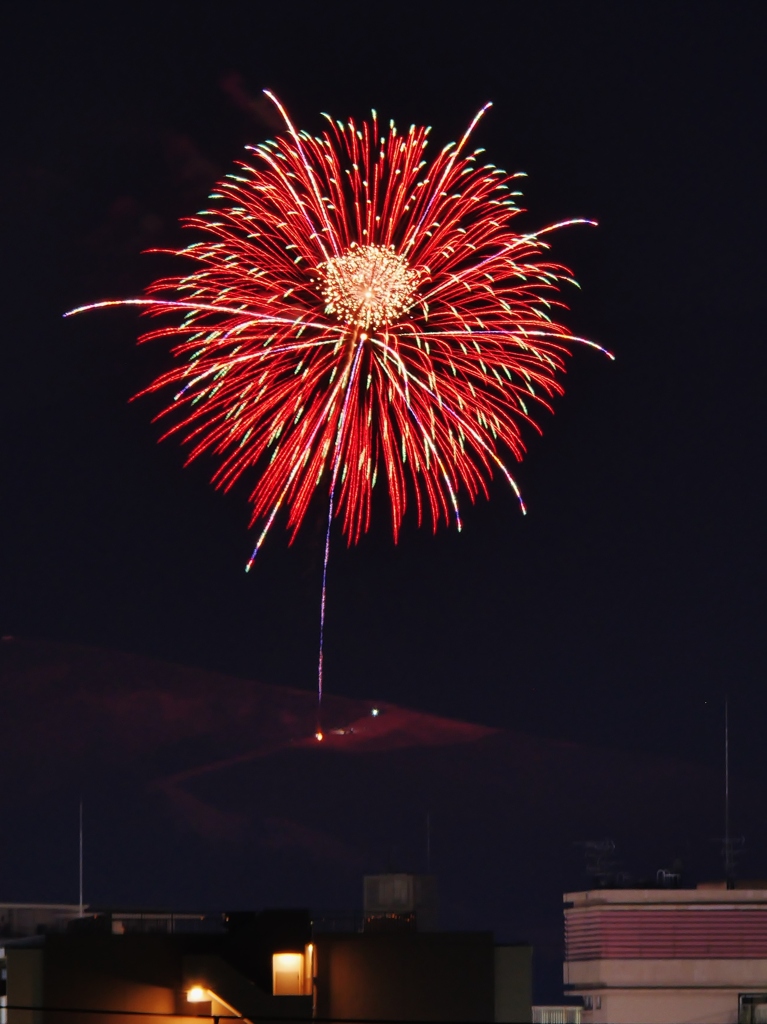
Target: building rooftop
column 706, row 893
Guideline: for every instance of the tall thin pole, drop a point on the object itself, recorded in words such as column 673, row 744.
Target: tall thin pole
column 428, row 842
column 81, row 856
column 727, row 850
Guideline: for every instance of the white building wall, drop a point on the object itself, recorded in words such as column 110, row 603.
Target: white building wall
column 669, row 1006
column 677, row 956
column 740, row 975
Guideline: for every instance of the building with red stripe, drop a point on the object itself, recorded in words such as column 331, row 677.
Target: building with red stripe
column 665, row 956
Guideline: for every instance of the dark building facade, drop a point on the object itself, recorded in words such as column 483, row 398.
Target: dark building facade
column 432, row 976
column 98, row 965
column 273, row 965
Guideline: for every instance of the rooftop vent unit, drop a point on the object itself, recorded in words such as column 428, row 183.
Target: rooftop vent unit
column 400, row 902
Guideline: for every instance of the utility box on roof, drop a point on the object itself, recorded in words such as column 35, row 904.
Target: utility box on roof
column 400, row 902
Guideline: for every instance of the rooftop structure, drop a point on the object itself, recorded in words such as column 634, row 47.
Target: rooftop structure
column 400, row 902
column 23, row 920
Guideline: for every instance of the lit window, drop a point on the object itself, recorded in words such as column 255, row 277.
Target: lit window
column 288, row 974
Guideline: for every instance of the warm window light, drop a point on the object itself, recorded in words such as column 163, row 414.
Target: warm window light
column 288, row 974
column 197, row 994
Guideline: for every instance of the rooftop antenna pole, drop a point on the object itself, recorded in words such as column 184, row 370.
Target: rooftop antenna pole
column 428, row 842
column 81, row 856
column 727, row 846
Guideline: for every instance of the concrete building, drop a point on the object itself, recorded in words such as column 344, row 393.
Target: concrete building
column 661, row 956
column 433, row 976
column 273, row 965
column 23, row 919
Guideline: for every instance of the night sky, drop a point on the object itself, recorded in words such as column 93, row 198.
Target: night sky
column 629, row 601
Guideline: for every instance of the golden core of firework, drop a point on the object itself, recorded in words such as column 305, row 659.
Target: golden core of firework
column 368, row 285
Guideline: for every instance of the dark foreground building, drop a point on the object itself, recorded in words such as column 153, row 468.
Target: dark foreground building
column 435, row 976
column 273, row 965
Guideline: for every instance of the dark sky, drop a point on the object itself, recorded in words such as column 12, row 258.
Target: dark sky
column 630, row 599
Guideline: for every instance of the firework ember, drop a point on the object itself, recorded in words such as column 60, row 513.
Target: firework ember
column 368, row 286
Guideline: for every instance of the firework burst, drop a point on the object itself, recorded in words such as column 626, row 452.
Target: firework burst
column 357, row 314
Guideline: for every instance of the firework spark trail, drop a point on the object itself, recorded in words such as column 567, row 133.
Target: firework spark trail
column 326, row 556
column 356, row 311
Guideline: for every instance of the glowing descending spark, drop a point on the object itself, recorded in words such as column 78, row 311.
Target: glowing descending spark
column 356, row 312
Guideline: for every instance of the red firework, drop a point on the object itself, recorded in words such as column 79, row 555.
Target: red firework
column 356, row 313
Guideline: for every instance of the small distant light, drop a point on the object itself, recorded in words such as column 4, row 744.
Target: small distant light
column 374, row 712
column 319, row 737
column 197, row 994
